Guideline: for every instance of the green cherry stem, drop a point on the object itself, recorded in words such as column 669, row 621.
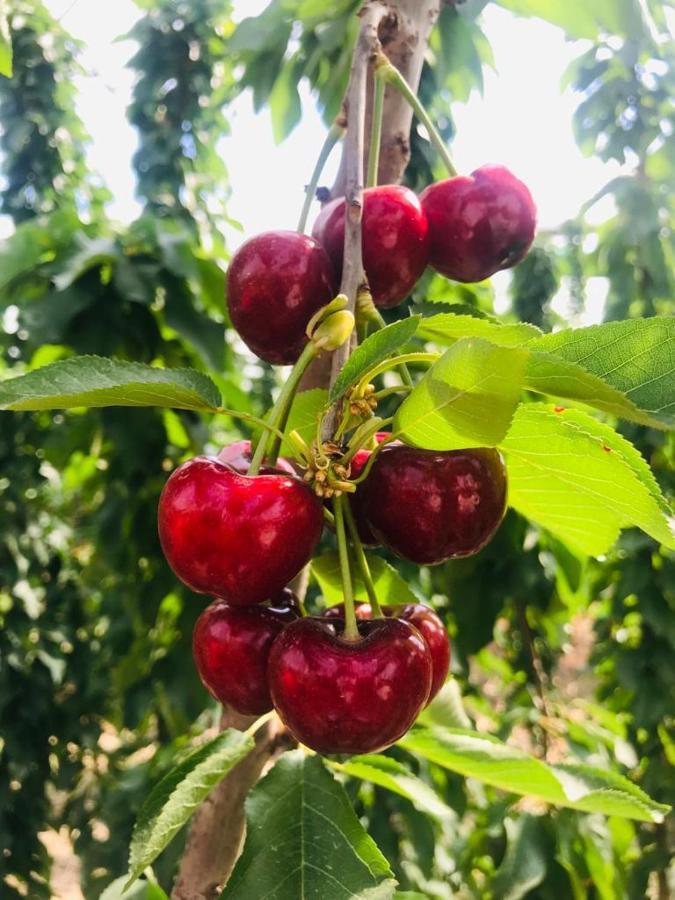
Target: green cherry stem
column 351, row 632
column 247, row 417
column 334, row 135
column 362, row 561
column 390, row 74
column 395, row 361
column 379, row 87
column 278, row 416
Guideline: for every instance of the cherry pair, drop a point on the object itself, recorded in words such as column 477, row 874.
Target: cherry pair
column 467, row 228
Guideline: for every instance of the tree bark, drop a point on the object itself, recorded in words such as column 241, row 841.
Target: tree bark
column 403, row 28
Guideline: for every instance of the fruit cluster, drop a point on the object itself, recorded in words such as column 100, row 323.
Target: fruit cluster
column 241, row 526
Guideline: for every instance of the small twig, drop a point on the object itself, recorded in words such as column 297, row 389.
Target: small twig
column 537, row 667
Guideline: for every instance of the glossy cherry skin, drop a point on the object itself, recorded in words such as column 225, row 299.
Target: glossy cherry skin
column 395, row 240
column 238, row 457
column 338, row 696
column 359, row 461
column 275, row 283
column 425, row 621
column 238, row 538
column 231, row 646
column 429, row 506
column 479, row 223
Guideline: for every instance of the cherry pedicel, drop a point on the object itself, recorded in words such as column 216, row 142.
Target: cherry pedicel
column 275, row 283
column 340, row 696
column 238, row 538
column 427, row 623
column 395, row 240
column 238, row 456
column 231, row 646
column 430, row 506
column 478, row 223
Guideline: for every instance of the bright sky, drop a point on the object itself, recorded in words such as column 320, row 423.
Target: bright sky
column 522, row 121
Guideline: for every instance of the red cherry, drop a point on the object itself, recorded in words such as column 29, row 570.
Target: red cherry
column 430, row 506
column 238, row 457
column 275, row 283
column 339, row 696
column 236, row 537
column 425, row 621
column 479, row 224
column 231, row 647
column 395, row 240
column 355, row 500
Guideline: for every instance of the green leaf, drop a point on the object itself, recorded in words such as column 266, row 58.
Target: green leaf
column 303, row 839
column 392, row 775
column 284, row 101
column 389, row 585
column 93, row 381
column 5, row 42
column 142, row 890
column 466, row 399
column 93, row 253
column 583, row 20
column 580, row 479
column 446, row 709
column 375, row 349
column 171, row 802
column 488, row 760
column 524, row 863
column 305, row 411
column 636, row 357
column 446, row 328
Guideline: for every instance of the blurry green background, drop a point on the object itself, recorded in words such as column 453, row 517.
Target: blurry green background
column 97, row 688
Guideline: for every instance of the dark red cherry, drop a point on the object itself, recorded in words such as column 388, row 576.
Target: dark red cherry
column 275, row 283
column 238, row 457
column 479, row 223
column 231, row 646
column 339, row 696
column 425, row 621
column 358, row 463
column 429, row 506
column 238, row 538
column 395, row 240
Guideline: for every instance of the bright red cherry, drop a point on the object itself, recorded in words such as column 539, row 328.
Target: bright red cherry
column 425, row 621
column 479, row 223
column 275, row 283
column 395, row 240
column 339, row 696
column 429, row 506
column 231, row 646
column 236, row 537
column 238, row 457
column 358, row 463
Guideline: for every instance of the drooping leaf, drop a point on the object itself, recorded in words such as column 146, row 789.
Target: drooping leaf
column 171, row 802
column 637, row 357
column 583, row 20
column 446, row 328
column 446, row 709
column 524, row 864
column 580, row 479
column 94, row 381
column 5, row 42
column 466, row 399
column 375, row 349
column 305, row 411
column 392, row 775
column 389, row 584
column 284, row 101
column 489, row 760
column 303, row 839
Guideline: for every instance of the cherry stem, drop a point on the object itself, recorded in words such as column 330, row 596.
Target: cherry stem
column 351, row 632
column 278, row 415
column 247, row 417
column 389, row 73
column 334, row 135
column 395, row 361
column 379, row 87
column 362, row 561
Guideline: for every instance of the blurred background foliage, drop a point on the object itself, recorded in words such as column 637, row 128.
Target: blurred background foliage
column 564, row 655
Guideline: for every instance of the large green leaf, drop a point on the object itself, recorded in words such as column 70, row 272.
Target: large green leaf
column 580, row 479
column 392, row 775
column 489, row 760
column 305, row 411
column 636, row 357
column 446, row 328
column 372, row 351
column 583, row 20
column 171, row 802
column 94, row 381
column 5, row 42
column 466, row 399
column 389, row 584
column 303, row 840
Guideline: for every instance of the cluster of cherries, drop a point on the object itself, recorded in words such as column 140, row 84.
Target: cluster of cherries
column 242, row 538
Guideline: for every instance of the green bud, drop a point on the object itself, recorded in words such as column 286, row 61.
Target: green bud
column 334, row 331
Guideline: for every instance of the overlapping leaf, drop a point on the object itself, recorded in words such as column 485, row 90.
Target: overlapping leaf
column 389, row 585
